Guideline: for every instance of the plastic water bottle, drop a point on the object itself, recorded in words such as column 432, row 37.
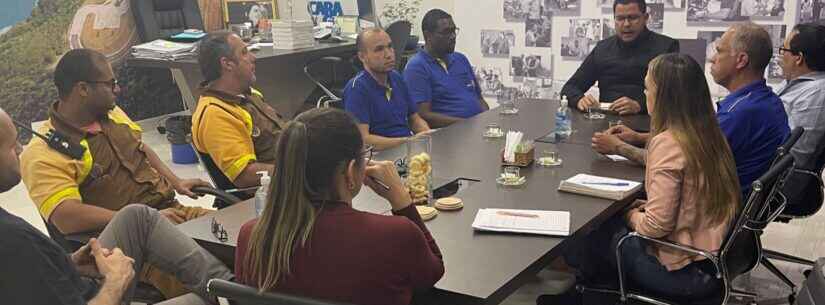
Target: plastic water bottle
column 563, row 125
column 261, row 193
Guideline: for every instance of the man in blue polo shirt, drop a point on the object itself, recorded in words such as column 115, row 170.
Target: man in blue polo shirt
column 378, row 96
column 442, row 81
column 752, row 117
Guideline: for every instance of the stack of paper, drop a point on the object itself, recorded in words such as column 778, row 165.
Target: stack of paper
column 556, row 223
column 162, row 49
column 292, row 35
column 602, row 187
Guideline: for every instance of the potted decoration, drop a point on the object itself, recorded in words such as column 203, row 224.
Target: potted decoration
column 406, row 10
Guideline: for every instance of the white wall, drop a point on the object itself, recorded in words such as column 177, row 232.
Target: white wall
column 474, row 15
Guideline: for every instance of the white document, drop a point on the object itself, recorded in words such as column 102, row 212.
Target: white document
column 616, row 158
column 555, row 223
column 602, row 187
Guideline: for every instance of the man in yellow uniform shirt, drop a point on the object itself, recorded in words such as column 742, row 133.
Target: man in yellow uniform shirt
column 82, row 193
column 232, row 123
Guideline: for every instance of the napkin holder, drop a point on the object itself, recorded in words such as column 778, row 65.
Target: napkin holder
column 521, row 159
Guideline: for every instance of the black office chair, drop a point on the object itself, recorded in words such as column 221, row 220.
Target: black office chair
column 237, row 294
column 399, row 32
column 739, row 253
column 156, row 19
column 805, row 201
column 221, row 183
column 330, row 74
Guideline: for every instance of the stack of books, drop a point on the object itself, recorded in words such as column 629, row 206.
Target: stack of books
column 163, row 49
column 290, row 35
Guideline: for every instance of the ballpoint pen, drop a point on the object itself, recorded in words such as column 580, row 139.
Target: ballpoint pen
column 506, row 213
column 607, row 183
column 381, row 183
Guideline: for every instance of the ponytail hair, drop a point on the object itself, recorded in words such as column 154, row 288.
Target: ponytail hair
column 311, row 149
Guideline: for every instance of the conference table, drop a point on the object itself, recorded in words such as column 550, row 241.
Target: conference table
column 280, row 73
column 483, row 267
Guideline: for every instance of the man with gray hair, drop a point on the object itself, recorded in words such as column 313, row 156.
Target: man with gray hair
column 751, row 116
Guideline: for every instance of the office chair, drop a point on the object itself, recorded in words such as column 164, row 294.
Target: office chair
column 221, row 183
column 399, row 32
column 804, row 203
column 237, row 294
column 156, row 19
column 330, row 74
column 740, row 251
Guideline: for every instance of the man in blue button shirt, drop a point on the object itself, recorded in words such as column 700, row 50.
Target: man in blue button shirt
column 378, row 97
column 442, row 81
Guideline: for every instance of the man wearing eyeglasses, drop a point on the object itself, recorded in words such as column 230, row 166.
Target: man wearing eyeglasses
column 36, row 270
column 619, row 63
column 81, row 195
column 441, row 81
column 803, row 95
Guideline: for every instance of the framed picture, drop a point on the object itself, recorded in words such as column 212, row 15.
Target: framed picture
column 241, row 11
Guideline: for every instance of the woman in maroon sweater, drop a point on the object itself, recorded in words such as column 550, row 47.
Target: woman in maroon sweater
column 310, row 242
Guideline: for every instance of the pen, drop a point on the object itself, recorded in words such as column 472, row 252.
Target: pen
column 381, row 183
column 607, row 183
column 244, row 189
column 505, row 213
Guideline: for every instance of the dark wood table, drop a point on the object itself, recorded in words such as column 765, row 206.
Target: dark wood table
column 484, row 268
column 280, row 74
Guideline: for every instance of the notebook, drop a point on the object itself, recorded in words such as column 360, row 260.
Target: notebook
column 602, row 187
column 555, row 223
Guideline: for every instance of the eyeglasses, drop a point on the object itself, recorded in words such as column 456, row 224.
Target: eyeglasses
column 219, row 231
column 367, row 153
column 113, row 83
column 783, row 50
column 629, row 18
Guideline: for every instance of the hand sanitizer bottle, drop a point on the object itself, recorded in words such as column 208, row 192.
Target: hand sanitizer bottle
column 261, row 193
column 563, row 124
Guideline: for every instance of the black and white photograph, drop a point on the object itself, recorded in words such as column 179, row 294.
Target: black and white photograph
column 764, row 9
column 535, row 88
column 521, row 10
column 495, row 43
column 583, row 36
column 239, row 12
column 669, row 4
column 490, row 80
column 538, row 32
column 608, row 27
column 656, row 21
column 711, row 38
column 811, row 11
column 774, row 71
column 714, row 11
column 574, row 48
column 563, row 7
column 531, row 66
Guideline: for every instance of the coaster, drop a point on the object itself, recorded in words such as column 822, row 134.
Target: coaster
column 426, row 212
column 449, row 204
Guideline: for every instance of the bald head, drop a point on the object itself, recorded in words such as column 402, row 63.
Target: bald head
column 753, row 40
column 9, row 150
column 375, row 51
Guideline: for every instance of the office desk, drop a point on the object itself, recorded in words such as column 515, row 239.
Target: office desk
column 280, row 74
column 483, row 268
